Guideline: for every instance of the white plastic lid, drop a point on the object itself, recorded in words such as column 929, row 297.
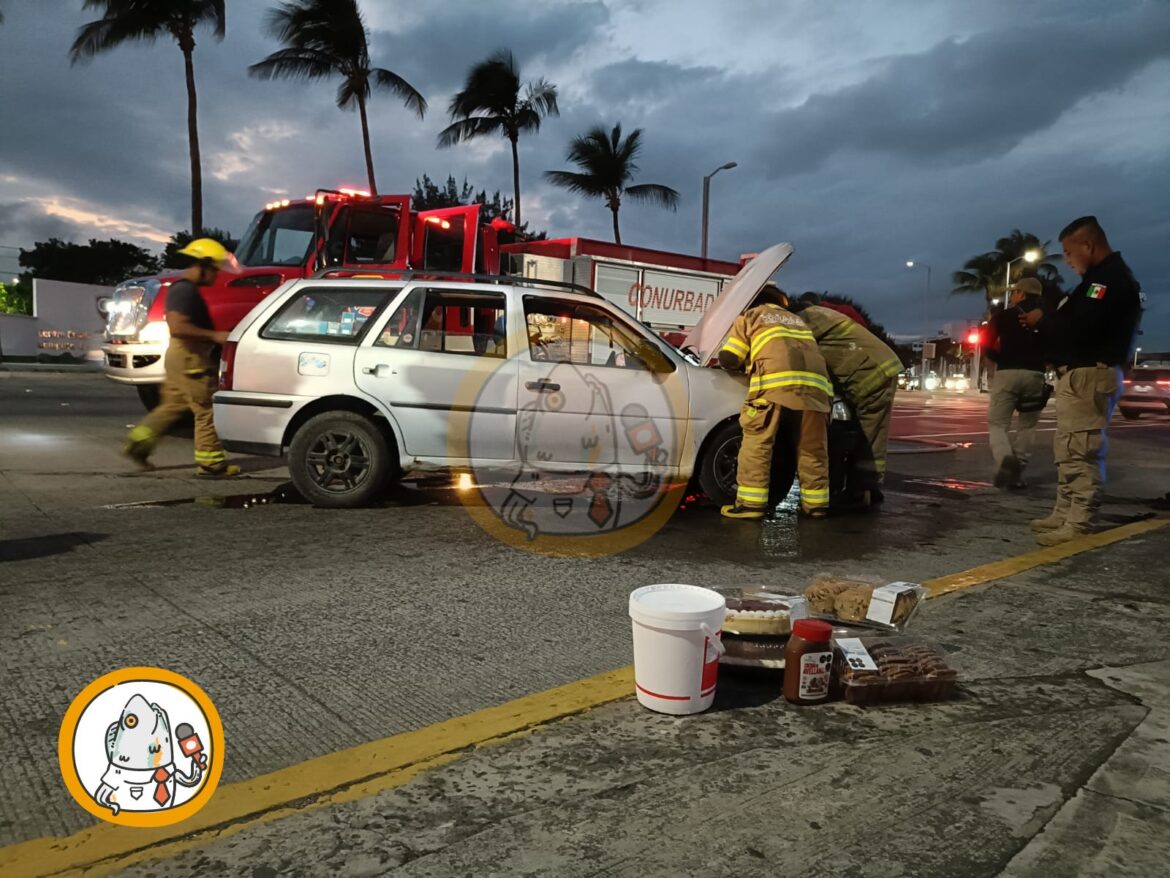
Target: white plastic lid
column 675, row 603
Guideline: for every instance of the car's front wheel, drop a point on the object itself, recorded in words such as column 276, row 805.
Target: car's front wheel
column 1131, row 414
column 720, row 463
column 150, row 395
column 339, row 459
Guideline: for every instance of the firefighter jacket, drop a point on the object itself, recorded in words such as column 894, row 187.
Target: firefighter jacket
column 780, row 355
column 860, row 362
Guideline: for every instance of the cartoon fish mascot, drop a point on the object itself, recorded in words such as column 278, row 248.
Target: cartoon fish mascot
column 142, row 773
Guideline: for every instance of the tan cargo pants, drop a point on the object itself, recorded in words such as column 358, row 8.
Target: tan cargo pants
column 188, row 386
column 1013, row 390
column 1085, row 398
column 760, row 420
column 873, row 416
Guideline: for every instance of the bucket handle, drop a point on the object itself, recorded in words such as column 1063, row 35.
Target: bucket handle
column 713, row 638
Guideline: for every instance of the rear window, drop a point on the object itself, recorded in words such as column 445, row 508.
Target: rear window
column 1149, row 376
column 327, row 314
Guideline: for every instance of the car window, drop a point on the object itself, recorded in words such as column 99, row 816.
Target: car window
column 584, row 335
column 449, row 322
column 365, row 235
column 331, row 314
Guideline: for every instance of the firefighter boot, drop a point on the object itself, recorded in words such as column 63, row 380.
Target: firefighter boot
column 748, row 513
column 223, row 471
column 139, row 444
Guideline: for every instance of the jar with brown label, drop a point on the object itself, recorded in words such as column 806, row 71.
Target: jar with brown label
column 808, row 662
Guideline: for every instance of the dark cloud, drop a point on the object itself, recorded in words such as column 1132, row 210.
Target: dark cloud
column 963, row 100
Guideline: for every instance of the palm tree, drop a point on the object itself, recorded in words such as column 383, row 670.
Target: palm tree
column 987, row 272
column 491, row 103
column 124, row 21
column 325, row 38
column 607, row 164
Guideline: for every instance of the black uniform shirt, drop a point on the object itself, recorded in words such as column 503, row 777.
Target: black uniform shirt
column 1019, row 347
column 184, row 297
column 1098, row 320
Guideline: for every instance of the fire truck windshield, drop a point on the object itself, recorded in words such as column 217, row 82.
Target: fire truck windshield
column 278, row 237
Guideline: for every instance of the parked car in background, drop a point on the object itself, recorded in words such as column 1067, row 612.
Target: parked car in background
column 1145, row 390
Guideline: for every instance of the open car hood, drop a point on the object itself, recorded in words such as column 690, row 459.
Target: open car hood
column 708, row 334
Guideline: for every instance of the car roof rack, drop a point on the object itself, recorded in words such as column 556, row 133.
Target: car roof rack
column 422, row 274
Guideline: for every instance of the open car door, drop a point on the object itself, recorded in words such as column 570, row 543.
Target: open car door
column 444, row 240
column 706, row 336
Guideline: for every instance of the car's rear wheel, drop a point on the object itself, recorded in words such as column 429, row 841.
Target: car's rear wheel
column 339, row 460
column 717, row 471
column 1131, row 414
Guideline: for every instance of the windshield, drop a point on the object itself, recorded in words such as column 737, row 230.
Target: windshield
column 278, row 237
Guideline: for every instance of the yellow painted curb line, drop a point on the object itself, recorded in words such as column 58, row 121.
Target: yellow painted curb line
column 347, row 774
column 1020, row 563
column 372, row 768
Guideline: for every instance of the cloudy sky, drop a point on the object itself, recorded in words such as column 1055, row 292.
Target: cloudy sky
column 867, row 132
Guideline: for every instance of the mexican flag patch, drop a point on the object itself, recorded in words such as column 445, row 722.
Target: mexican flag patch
column 1096, row 291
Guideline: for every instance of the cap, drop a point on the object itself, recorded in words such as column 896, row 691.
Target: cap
column 1029, row 286
column 812, row 629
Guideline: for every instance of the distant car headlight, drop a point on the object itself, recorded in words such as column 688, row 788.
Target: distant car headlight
column 932, row 383
column 156, row 332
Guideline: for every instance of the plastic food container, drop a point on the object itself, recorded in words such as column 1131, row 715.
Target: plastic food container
column 759, row 611
column 888, row 669
column 864, row 603
column 753, row 651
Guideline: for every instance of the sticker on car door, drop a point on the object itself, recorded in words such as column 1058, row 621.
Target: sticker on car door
column 313, row 364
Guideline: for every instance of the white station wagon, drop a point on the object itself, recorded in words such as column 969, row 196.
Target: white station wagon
column 364, row 381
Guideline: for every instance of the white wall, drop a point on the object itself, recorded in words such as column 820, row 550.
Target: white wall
column 65, row 321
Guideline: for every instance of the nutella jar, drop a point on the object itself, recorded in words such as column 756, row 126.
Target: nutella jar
column 808, row 662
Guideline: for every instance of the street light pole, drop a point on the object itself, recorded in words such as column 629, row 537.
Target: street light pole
column 707, row 199
column 1136, row 351
column 1029, row 256
column 925, row 314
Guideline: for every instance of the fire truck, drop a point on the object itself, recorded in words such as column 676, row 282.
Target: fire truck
column 669, row 292
column 336, row 232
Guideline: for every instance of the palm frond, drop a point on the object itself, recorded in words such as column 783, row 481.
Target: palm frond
column 654, row 193
column 542, row 97
column 391, row 81
column 582, row 184
column 295, row 63
column 469, row 129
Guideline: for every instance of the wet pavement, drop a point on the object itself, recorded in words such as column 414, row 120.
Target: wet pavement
column 318, row 630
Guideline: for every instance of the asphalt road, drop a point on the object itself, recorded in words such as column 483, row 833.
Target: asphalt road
column 318, row 631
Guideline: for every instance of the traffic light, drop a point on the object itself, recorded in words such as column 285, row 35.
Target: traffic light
column 974, row 337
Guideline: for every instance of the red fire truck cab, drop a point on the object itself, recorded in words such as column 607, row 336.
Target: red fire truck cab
column 335, row 231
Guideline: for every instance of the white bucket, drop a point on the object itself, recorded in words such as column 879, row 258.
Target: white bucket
column 676, row 646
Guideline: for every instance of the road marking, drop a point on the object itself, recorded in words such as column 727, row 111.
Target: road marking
column 372, row 768
column 1012, row 566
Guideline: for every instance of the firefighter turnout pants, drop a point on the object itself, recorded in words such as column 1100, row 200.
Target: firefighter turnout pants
column 874, row 411
column 761, row 423
column 188, row 386
column 1085, row 398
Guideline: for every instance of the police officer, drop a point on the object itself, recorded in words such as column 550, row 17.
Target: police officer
column 787, row 372
column 1018, row 385
column 190, row 373
column 867, row 371
column 1087, row 338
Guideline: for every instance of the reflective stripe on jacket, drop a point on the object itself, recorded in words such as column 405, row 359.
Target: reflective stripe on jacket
column 860, row 361
column 780, row 354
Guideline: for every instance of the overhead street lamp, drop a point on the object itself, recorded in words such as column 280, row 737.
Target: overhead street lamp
column 1136, row 351
column 707, row 199
column 910, row 263
column 1028, row 256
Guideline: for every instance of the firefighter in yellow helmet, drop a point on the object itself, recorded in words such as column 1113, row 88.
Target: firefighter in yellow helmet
column 866, row 370
column 191, row 373
column 787, row 371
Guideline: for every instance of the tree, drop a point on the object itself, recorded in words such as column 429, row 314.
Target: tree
column 428, row 196
column 179, row 240
column 17, row 298
column 491, row 103
column 326, row 38
column 608, row 164
column 98, row 262
column 128, row 20
column 987, row 272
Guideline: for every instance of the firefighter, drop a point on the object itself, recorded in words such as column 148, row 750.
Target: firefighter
column 190, row 371
column 787, row 372
column 867, row 371
column 1088, row 338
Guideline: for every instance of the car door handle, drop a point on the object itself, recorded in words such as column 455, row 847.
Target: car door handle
column 377, row 371
column 543, row 386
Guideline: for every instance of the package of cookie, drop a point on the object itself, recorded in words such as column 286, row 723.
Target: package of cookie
column 865, row 603
column 887, row 669
column 756, row 610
